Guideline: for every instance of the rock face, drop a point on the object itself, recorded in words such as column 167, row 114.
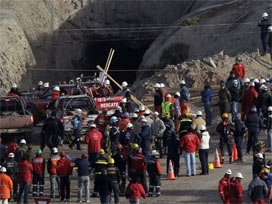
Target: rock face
column 230, row 26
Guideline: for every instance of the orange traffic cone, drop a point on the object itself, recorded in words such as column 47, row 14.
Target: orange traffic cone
column 170, row 175
column 217, row 163
column 234, row 156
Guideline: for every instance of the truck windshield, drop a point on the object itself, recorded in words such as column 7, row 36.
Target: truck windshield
column 74, row 103
column 10, row 106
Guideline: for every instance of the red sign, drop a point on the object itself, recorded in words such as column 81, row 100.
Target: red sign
column 108, row 103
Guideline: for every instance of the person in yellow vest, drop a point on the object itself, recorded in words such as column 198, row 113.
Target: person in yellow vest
column 167, row 107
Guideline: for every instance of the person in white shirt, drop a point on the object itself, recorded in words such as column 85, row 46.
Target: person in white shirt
column 204, row 149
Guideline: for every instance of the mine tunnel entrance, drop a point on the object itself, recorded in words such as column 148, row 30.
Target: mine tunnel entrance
column 128, row 56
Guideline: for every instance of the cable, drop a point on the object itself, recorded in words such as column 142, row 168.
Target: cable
column 88, row 70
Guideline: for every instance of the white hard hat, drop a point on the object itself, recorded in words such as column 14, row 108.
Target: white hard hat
column 269, row 108
column 46, row 85
column 154, row 152
column 168, row 96
column 14, row 85
column 198, row 113
column 202, row 127
column 228, row 172
column 118, row 108
column 182, row 82
column 269, row 29
column 259, row 155
column 265, row 15
column 144, row 120
column 78, row 79
column 129, row 125
column 162, row 85
column 252, row 84
column 156, row 113
column 22, row 141
column 107, row 82
column 78, row 111
column 93, row 125
column 263, row 87
column 235, row 82
column 54, row 150
column 40, row 83
column 11, row 155
column 239, row 175
column 262, row 81
column 134, row 115
column 256, row 81
column 56, row 88
column 124, row 100
column 3, row 169
column 246, row 80
column 147, row 112
column 136, row 110
column 124, row 84
column 157, row 85
column 177, row 94
column 141, row 108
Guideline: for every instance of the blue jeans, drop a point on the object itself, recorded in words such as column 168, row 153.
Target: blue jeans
column 134, row 201
column 54, row 179
column 208, row 113
column 269, row 140
column 234, row 109
column 265, row 38
column 83, row 182
column 105, row 199
column 190, row 163
column 24, row 188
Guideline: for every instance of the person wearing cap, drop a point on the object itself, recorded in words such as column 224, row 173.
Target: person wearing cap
column 25, row 170
column 235, row 93
column 176, row 107
column 236, row 189
column 93, row 139
column 51, row 130
column 249, row 100
column 11, row 166
column 224, row 187
column 204, row 149
column 264, row 24
column 224, row 98
column 64, row 171
column 158, row 98
column 239, row 134
column 226, row 130
column 6, row 186
column 198, row 122
column 257, row 190
column 268, row 128
column 38, row 163
column 115, row 177
column 146, row 135
column 154, row 172
column 264, row 100
column 184, row 98
column 254, row 125
column 231, row 78
column 77, row 127
column 52, row 171
column 158, row 129
column 83, row 169
column 206, row 98
column 167, row 107
column 122, row 124
column 14, row 91
column 257, row 164
column 239, row 68
column 21, row 150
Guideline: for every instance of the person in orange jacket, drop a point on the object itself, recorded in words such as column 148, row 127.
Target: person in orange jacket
column 56, row 93
column 6, row 186
column 64, row 170
column 122, row 124
column 236, row 190
column 154, row 171
column 224, row 187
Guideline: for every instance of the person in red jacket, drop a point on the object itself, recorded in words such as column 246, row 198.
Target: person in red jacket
column 38, row 163
column 102, row 121
column 224, row 187
column 249, row 100
column 93, row 138
column 239, row 68
column 122, row 124
column 56, row 93
column 6, row 186
column 190, row 143
column 135, row 191
column 12, row 146
column 25, row 170
column 64, row 170
column 236, row 190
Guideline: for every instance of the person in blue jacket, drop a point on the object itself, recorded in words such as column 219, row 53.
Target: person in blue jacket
column 77, row 126
column 206, row 97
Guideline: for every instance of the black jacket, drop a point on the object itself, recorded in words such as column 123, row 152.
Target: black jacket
column 172, row 146
column 158, row 98
column 113, row 173
column 120, row 161
column 235, row 94
column 253, row 122
column 83, row 167
column 104, row 185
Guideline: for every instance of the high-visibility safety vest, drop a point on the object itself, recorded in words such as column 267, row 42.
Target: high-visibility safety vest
column 54, row 161
column 165, row 106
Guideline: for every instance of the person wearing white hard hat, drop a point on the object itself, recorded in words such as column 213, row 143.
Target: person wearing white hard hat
column 129, row 137
column 199, row 121
column 264, row 100
column 176, row 107
column 158, row 98
column 21, row 150
column 167, row 107
column 235, row 99
column 108, row 87
column 146, row 135
column 124, row 105
column 206, row 97
column 55, row 93
column 264, row 25
column 239, row 68
column 52, row 170
column 224, row 186
column 163, row 91
column 184, row 98
column 236, row 189
column 77, row 127
column 6, row 186
column 14, row 91
column 148, row 117
column 141, row 110
column 204, row 149
column 269, row 29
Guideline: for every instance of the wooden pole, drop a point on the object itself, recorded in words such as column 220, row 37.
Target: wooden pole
column 108, row 62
